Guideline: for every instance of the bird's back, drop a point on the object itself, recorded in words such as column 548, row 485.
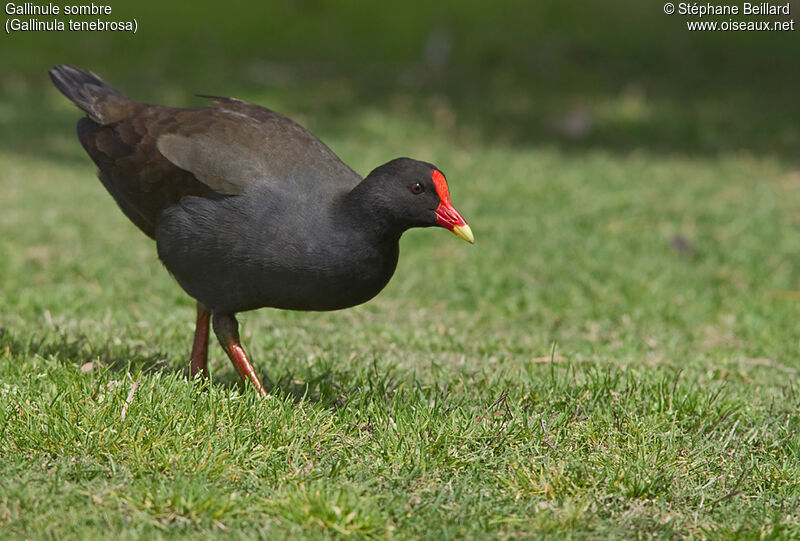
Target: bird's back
column 151, row 156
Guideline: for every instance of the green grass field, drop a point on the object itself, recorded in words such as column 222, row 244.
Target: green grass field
column 616, row 357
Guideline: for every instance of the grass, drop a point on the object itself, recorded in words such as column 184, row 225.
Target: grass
column 616, row 357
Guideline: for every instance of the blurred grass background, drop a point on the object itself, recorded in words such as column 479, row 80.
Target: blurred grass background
column 618, row 75
column 635, row 194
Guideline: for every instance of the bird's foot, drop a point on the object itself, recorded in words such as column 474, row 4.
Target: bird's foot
column 227, row 329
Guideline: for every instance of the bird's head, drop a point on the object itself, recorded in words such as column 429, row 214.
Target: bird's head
column 412, row 193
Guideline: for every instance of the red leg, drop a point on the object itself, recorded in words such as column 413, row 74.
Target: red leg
column 199, row 361
column 227, row 329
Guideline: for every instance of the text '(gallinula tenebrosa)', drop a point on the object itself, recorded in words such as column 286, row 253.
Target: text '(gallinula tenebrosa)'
column 250, row 210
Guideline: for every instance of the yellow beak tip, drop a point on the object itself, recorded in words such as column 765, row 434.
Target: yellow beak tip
column 464, row 232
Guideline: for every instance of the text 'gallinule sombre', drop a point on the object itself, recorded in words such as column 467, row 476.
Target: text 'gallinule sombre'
column 248, row 209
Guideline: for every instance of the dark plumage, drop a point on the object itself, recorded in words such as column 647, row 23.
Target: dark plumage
column 249, row 209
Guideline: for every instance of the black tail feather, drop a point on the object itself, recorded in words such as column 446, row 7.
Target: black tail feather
column 86, row 90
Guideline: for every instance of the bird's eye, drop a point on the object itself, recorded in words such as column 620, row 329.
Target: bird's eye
column 417, row 188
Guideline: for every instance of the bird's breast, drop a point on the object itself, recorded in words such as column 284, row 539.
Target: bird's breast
column 234, row 262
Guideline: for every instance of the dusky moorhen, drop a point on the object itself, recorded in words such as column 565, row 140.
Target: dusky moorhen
column 248, row 209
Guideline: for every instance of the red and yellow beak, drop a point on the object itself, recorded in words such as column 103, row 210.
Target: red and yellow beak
column 446, row 214
column 448, row 217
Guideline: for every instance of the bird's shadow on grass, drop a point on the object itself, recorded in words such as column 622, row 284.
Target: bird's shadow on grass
column 69, row 349
column 322, row 385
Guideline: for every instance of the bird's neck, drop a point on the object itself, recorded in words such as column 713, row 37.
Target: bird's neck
column 364, row 208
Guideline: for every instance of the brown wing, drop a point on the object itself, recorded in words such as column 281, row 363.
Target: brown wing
column 141, row 180
column 233, row 143
column 156, row 155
